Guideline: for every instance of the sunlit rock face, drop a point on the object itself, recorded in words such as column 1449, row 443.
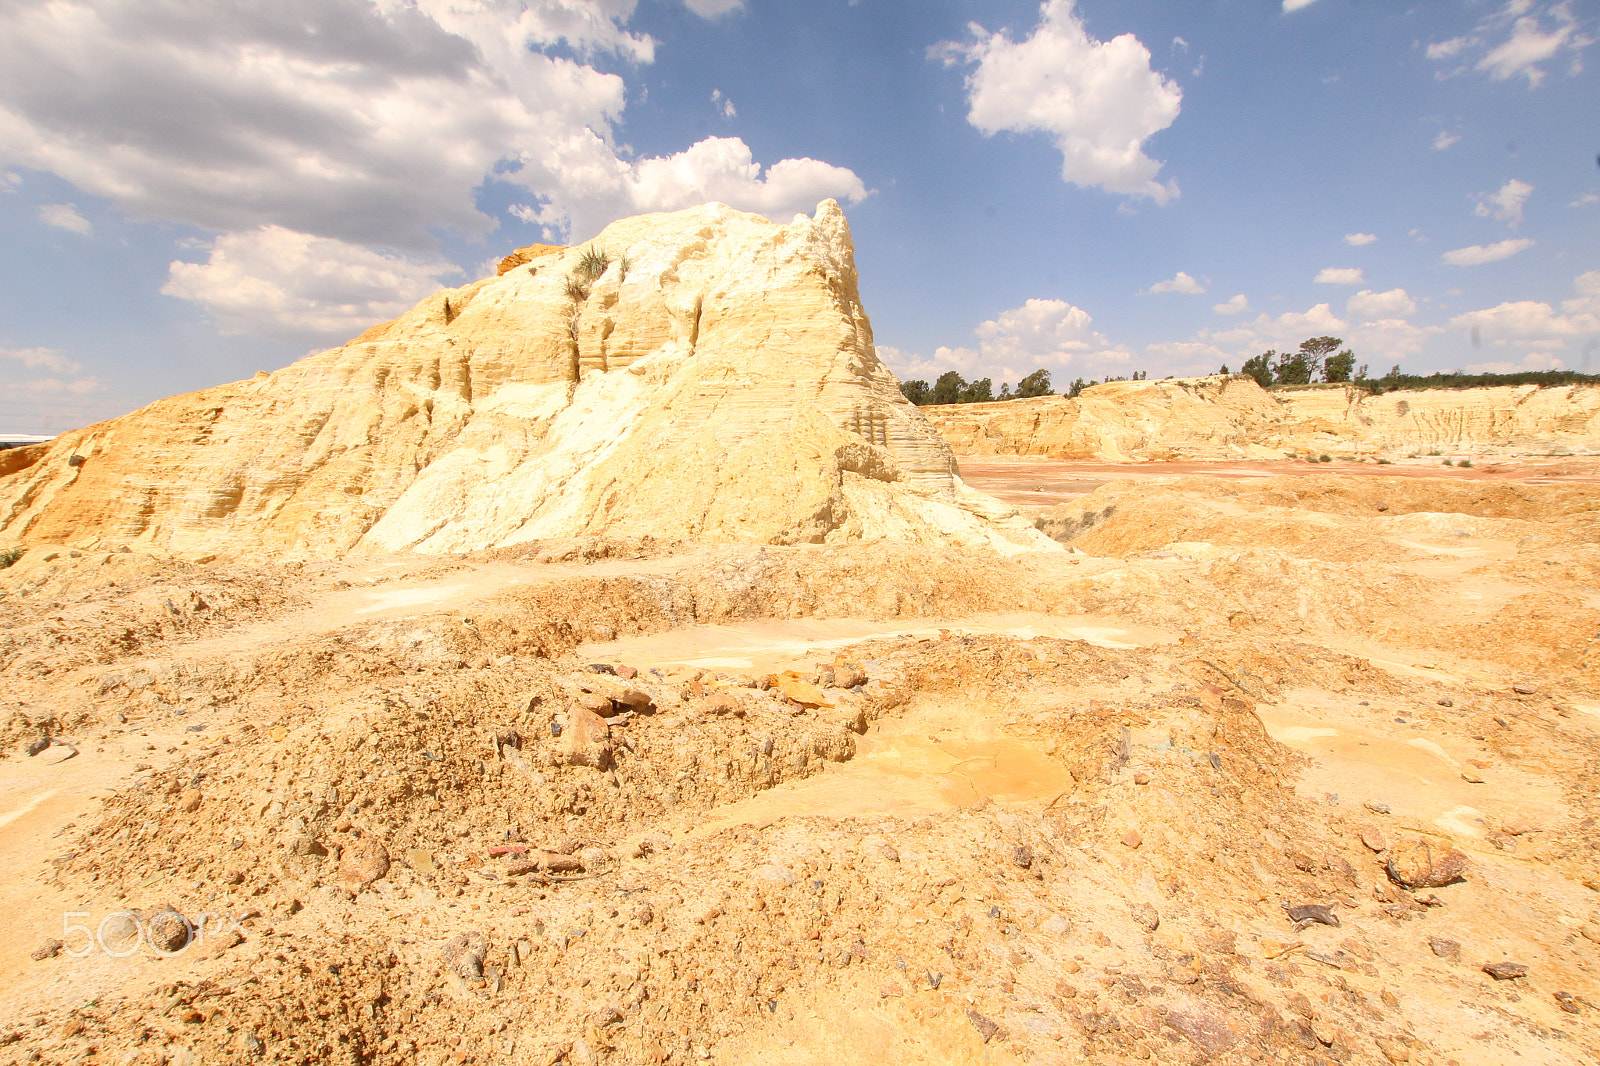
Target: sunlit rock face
column 1223, row 417
column 709, row 374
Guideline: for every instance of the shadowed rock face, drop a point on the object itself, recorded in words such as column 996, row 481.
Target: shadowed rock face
column 717, row 380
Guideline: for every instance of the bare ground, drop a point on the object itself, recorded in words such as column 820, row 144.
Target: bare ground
column 833, row 805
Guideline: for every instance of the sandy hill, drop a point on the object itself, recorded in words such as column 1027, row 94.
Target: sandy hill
column 1233, row 418
column 712, row 378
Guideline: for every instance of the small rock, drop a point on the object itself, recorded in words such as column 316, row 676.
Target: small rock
column 48, row 949
column 1472, row 777
column 1132, row 839
column 778, row 875
column 1523, row 688
column 1308, row 913
column 1147, row 916
column 627, row 673
column 1445, row 949
column 1208, row 1032
column 464, row 955
column 1566, row 1002
column 362, row 863
column 1022, row 856
column 586, row 739
column 189, row 802
column 1393, row 1050
column 1591, row 932
column 39, row 745
column 1377, row 808
column 168, row 931
column 1419, row 864
column 1141, row 778
column 984, row 1026
column 1373, row 838
column 1273, row 949
column 1447, row 702
column 1505, row 971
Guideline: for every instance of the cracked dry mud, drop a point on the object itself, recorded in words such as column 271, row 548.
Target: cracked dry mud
column 627, row 803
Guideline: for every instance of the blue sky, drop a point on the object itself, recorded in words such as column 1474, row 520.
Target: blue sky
column 193, row 192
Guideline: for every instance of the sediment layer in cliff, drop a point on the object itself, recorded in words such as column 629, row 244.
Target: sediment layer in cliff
column 1231, row 417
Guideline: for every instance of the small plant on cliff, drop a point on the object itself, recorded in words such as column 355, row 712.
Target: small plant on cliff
column 9, row 556
column 1324, row 458
column 592, row 263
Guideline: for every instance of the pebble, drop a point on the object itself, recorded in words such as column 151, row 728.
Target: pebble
column 1132, row 839
column 1308, row 913
column 1022, row 856
column 1141, row 778
column 189, row 802
column 1147, row 916
column 984, row 1026
column 362, row 863
column 1445, row 949
column 48, row 949
column 1505, row 971
column 1419, row 864
column 1446, row 702
column 168, row 931
column 1373, row 838
column 1522, row 688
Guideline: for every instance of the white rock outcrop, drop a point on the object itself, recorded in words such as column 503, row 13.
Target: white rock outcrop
column 716, row 380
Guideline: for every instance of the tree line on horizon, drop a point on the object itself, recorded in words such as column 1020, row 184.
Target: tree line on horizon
column 951, row 387
column 1318, row 360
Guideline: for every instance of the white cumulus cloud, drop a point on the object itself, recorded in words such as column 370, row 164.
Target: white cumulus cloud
column 41, row 358
column 1235, row 305
column 1506, row 203
column 1181, row 282
column 1477, row 254
column 1050, row 334
column 278, row 283
column 1296, row 5
column 1517, row 40
column 1359, row 239
column 65, row 216
column 1535, row 324
column 1367, row 305
column 1099, row 101
column 1340, row 276
column 362, row 122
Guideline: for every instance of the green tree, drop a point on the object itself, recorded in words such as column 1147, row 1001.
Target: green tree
column 1295, row 368
column 1035, row 384
column 1076, row 387
column 949, row 388
column 1339, row 367
column 1260, row 367
column 980, row 391
column 1224, row 371
column 915, row 391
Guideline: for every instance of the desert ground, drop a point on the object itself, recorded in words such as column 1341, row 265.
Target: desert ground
column 1277, row 762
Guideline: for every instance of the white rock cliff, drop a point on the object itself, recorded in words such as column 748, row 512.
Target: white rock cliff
column 717, row 380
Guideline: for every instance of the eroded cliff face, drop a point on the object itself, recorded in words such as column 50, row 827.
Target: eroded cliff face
column 716, row 381
column 1233, row 417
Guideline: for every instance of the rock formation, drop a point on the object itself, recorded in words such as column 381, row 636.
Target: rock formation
column 1233, row 418
column 705, row 374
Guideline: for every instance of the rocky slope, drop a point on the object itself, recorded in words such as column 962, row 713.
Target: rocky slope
column 1233, row 417
column 714, row 379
